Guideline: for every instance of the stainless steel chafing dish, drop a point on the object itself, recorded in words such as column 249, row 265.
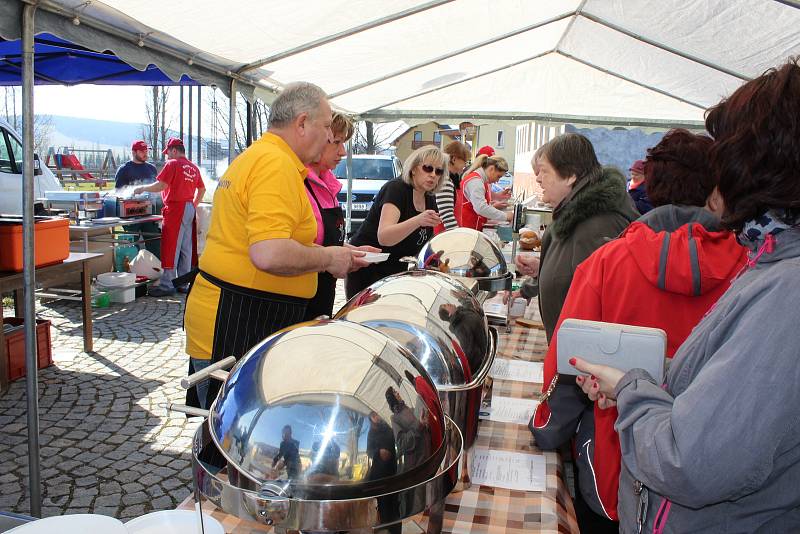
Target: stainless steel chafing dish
column 327, row 426
column 442, row 324
column 468, row 255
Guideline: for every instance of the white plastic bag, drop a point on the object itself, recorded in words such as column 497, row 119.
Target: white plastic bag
column 146, row 264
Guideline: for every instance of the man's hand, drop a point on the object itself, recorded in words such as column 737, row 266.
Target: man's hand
column 340, row 260
column 527, row 264
column 138, row 191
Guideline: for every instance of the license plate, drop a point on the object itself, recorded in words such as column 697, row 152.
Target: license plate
column 358, row 206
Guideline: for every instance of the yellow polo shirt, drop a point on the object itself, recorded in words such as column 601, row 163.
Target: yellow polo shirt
column 261, row 196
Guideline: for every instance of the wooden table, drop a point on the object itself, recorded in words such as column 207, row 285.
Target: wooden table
column 485, row 509
column 12, row 281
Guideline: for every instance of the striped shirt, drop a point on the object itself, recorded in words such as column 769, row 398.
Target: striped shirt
column 445, row 199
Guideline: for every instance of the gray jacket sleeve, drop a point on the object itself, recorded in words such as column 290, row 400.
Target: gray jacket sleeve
column 475, row 192
column 717, row 440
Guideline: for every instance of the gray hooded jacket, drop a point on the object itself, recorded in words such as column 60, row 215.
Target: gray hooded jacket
column 721, row 441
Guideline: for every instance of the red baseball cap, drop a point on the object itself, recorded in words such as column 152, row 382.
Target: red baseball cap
column 139, row 145
column 173, row 142
column 489, row 151
column 638, row 166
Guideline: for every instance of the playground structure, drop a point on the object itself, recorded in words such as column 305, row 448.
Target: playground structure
column 94, row 166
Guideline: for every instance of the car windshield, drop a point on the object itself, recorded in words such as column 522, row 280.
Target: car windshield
column 367, row 169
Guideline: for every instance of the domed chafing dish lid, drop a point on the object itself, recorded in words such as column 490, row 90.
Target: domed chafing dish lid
column 433, row 316
column 463, row 252
column 329, row 410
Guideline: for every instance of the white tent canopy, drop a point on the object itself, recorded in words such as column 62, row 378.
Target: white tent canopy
column 608, row 61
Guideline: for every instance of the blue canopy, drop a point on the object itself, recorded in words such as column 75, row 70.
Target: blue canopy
column 59, row 62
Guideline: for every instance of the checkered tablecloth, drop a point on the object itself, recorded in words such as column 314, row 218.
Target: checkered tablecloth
column 484, row 509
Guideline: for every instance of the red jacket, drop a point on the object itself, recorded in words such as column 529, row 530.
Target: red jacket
column 658, row 273
column 465, row 213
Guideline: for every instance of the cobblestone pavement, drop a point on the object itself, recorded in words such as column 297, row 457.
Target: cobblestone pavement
column 108, row 445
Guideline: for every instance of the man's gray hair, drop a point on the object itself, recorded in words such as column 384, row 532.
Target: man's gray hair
column 296, row 98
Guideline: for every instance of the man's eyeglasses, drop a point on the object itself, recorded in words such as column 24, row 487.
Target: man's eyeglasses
column 429, row 168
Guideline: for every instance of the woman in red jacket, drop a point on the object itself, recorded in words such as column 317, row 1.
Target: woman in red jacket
column 666, row 270
column 474, row 196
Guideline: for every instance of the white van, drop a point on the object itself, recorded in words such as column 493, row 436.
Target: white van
column 11, row 173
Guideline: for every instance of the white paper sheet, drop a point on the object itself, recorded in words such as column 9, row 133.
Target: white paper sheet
column 510, row 470
column 512, row 410
column 505, row 369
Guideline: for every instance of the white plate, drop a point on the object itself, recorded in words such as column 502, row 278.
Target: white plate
column 173, row 522
column 376, row 257
column 73, row 524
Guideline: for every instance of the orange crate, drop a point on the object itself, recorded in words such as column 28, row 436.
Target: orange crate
column 51, row 243
column 15, row 347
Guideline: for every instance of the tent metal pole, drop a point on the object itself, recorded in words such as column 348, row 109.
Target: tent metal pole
column 199, row 135
column 341, row 35
column 29, row 274
column 180, row 113
column 249, row 123
column 666, row 48
column 452, row 54
column 515, row 116
column 232, row 123
column 631, row 80
column 189, row 127
column 348, row 220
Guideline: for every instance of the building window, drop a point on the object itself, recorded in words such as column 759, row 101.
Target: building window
column 437, row 137
column 501, row 139
column 417, row 136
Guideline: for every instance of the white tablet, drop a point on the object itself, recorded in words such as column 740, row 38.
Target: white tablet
column 621, row 346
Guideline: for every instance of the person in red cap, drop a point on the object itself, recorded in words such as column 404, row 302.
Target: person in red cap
column 486, row 150
column 182, row 189
column 638, row 189
column 137, row 171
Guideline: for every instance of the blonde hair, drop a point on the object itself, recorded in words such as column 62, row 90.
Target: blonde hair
column 430, row 153
column 483, row 161
column 342, row 125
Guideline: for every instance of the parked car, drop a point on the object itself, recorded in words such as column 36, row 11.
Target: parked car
column 370, row 172
column 11, row 173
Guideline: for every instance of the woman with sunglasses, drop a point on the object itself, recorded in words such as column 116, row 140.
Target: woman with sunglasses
column 402, row 217
column 474, row 197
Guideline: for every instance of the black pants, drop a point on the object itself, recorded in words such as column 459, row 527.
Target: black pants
column 322, row 302
column 588, row 521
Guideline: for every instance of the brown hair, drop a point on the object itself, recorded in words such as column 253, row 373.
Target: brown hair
column 572, row 153
column 342, row 125
column 457, row 149
column 756, row 151
column 677, row 170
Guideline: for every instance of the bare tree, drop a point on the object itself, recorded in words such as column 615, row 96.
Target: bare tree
column 43, row 125
column 157, row 127
column 370, row 140
column 220, row 106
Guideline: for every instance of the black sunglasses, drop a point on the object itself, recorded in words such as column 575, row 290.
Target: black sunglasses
column 429, row 168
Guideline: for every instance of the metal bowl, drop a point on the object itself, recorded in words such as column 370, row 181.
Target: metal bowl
column 441, row 323
column 329, row 410
column 467, row 254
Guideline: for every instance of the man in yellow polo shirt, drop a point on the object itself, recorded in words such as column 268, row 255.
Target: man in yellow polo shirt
column 259, row 266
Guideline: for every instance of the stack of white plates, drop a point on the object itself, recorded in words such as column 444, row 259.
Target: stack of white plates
column 173, row 522
column 73, row 524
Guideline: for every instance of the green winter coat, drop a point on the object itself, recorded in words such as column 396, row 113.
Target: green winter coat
column 591, row 215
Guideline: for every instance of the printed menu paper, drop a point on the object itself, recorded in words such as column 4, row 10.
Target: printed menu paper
column 505, row 369
column 510, row 470
column 512, row 410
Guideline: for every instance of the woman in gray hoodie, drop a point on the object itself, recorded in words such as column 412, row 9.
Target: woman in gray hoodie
column 717, row 447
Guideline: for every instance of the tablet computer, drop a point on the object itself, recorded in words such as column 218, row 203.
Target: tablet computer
column 621, row 346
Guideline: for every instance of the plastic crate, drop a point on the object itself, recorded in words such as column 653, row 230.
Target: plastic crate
column 15, row 346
